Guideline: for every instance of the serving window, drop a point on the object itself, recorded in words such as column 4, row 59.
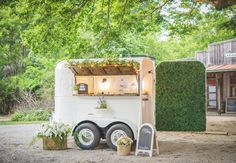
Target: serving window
column 107, row 77
column 108, row 85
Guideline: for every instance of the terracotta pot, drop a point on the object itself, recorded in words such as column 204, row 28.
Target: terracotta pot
column 123, row 150
column 54, row 143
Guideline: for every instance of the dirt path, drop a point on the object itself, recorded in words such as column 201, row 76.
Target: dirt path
column 224, row 123
column 174, row 147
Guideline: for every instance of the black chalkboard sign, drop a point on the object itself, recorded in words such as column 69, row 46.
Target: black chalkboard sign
column 231, row 105
column 145, row 139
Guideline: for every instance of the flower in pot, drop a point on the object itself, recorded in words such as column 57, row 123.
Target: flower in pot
column 54, row 135
column 102, row 103
column 124, row 145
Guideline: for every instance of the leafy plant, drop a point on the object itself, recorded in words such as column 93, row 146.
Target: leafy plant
column 105, row 62
column 102, row 103
column 56, row 130
column 124, row 140
column 75, row 88
column 33, row 115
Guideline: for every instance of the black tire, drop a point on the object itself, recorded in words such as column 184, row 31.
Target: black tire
column 115, row 127
column 94, row 130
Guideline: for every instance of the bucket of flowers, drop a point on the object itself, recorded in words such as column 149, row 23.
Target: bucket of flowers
column 54, row 136
column 124, row 145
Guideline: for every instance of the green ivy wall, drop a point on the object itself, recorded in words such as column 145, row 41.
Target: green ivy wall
column 180, row 96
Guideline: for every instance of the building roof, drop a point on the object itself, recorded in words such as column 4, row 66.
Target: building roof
column 222, row 42
column 221, row 68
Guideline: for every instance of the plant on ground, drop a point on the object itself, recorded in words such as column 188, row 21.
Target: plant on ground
column 124, row 140
column 55, row 130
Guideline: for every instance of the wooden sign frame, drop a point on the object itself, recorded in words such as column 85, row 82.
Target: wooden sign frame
column 226, row 105
column 153, row 139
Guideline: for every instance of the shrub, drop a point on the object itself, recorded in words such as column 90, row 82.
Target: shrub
column 180, row 100
column 33, row 115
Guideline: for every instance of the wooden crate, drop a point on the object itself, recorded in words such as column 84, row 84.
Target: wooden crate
column 54, row 143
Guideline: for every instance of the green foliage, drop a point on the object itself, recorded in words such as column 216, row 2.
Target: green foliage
column 105, row 62
column 180, row 96
column 8, row 95
column 35, row 35
column 229, row 23
column 19, row 122
column 34, row 115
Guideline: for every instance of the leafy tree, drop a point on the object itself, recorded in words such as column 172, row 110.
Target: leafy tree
column 35, row 35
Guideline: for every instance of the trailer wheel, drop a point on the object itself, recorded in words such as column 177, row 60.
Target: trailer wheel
column 87, row 136
column 115, row 132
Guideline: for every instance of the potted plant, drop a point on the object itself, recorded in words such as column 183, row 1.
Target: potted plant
column 54, row 136
column 102, row 108
column 75, row 89
column 102, row 103
column 124, row 145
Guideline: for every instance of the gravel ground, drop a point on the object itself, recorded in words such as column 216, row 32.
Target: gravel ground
column 174, row 147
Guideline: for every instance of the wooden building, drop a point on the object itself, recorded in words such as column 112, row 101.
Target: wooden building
column 220, row 63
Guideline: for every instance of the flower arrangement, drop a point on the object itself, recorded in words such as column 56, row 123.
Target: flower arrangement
column 102, row 103
column 55, row 131
column 125, row 141
column 124, row 145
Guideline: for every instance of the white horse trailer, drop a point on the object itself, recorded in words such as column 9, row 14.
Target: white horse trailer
column 129, row 93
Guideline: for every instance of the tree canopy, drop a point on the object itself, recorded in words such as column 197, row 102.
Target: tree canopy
column 36, row 34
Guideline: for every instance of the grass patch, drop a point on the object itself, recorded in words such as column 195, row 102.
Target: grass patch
column 20, row 122
column 33, row 115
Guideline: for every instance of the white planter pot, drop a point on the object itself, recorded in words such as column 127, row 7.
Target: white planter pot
column 102, row 112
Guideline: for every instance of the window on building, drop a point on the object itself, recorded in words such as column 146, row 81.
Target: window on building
column 211, row 96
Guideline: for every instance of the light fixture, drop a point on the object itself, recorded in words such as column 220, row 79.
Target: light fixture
column 104, row 85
